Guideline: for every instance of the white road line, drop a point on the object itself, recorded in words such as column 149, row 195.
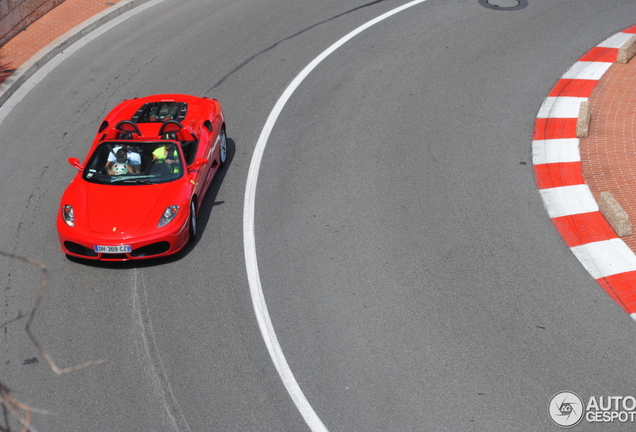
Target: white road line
column 157, row 373
column 249, row 240
column 44, row 70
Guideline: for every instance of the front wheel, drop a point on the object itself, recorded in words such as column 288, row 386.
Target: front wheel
column 192, row 232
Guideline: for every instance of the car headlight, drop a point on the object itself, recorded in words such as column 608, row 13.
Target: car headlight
column 68, row 215
column 168, row 215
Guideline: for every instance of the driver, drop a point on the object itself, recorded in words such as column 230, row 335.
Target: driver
column 121, row 166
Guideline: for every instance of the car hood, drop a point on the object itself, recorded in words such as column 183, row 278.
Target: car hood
column 122, row 209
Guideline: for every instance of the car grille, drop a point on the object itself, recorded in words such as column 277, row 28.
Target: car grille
column 79, row 249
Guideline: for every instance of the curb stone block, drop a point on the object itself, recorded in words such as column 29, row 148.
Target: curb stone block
column 615, row 215
column 583, row 121
column 627, row 51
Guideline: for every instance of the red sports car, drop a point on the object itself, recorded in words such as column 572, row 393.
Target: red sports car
column 138, row 193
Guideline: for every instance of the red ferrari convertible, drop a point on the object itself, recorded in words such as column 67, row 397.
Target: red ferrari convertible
column 138, row 193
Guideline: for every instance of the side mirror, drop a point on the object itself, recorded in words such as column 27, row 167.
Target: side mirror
column 197, row 164
column 76, row 163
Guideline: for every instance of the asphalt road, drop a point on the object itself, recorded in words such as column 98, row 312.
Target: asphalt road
column 413, row 278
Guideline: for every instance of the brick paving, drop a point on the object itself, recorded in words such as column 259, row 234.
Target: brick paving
column 608, row 154
column 45, row 30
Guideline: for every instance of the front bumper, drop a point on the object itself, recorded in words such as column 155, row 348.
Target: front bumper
column 165, row 241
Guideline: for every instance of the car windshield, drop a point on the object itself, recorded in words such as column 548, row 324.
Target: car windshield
column 132, row 163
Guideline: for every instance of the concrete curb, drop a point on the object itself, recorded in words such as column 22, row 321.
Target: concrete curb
column 559, row 174
column 25, row 71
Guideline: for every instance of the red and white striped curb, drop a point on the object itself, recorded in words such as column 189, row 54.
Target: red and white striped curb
column 559, row 176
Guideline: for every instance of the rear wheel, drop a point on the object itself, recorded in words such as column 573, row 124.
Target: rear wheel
column 223, row 148
column 192, row 233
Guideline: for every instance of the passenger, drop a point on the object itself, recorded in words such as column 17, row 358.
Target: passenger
column 134, row 159
column 121, row 165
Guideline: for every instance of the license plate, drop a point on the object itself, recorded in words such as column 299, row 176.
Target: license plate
column 112, row 249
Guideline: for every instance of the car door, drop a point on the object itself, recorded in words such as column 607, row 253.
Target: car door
column 206, row 147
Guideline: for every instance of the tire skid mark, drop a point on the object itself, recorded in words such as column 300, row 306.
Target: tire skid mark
column 151, row 359
column 275, row 44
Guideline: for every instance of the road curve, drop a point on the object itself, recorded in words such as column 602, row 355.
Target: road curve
column 411, row 272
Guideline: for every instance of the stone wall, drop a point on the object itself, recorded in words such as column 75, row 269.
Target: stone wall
column 16, row 15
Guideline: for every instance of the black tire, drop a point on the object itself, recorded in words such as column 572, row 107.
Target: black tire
column 223, row 148
column 193, row 229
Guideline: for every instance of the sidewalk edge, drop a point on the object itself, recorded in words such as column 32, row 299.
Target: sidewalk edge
column 25, row 71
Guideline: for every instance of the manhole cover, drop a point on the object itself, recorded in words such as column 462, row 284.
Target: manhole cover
column 505, row 5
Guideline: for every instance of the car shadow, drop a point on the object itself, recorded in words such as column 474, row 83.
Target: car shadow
column 208, row 204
